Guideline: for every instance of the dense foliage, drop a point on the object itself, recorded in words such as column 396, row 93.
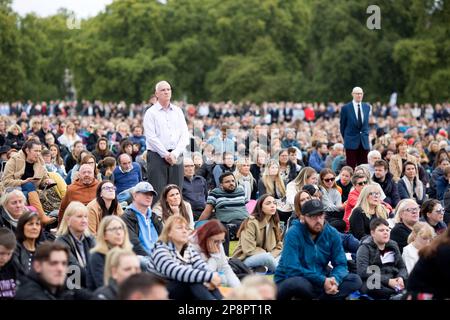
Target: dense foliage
column 258, row 50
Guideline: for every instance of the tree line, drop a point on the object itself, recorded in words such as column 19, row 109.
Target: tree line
column 214, row 50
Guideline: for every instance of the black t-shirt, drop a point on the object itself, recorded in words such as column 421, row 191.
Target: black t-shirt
column 29, row 171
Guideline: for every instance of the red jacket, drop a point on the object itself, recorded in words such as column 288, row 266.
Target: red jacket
column 351, row 203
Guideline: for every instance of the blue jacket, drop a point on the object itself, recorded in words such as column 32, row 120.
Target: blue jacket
column 303, row 257
column 353, row 135
column 316, row 162
column 124, row 181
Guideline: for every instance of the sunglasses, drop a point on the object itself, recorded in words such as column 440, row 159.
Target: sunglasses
column 375, row 194
column 362, row 183
column 329, row 179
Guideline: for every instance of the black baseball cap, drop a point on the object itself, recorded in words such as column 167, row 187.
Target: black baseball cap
column 313, row 207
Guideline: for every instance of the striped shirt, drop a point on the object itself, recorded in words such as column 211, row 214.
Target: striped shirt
column 167, row 262
column 228, row 206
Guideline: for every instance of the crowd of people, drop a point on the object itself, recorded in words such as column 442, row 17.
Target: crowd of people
column 164, row 200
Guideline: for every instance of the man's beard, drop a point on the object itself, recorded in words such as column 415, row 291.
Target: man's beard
column 313, row 231
column 230, row 190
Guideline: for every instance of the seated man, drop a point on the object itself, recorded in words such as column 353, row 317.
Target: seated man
column 379, row 258
column 228, row 202
column 126, row 175
column 144, row 226
column 9, row 268
column 47, row 279
column 84, row 189
column 195, row 188
column 310, row 245
column 384, row 178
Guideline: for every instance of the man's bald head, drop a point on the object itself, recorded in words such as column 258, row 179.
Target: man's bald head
column 86, row 174
column 357, row 94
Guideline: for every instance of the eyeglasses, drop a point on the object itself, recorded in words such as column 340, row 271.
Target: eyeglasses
column 413, row 210
column 440, row 211
column 329, row 179
column 375, row 194
column 107, row 188
column 362, row 183
column 189, row 166
column 115, row 229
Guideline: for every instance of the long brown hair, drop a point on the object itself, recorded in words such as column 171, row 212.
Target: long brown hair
column 441, row 240
column 259, row 215
column 165, row 208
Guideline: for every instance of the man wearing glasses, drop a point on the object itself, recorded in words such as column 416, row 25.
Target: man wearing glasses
column 310, row 245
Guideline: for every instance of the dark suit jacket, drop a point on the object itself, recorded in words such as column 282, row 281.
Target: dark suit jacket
column 353, row 135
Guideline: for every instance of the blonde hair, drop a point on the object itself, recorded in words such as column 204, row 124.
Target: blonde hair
column 237, row 174
column 421, row 229
column 279, row 183
column 101, row 245
column 11, row 127
column 168, row 225
column 401, row 206
column 380, row 210
column 302, row 176
column 113, row 258
column 73, row 208
column 365, row 171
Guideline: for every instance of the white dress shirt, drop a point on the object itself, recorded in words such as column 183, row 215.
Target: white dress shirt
column 165, row 129
column 355, row 107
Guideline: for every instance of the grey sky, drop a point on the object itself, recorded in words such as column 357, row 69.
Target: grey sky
column 82, row 8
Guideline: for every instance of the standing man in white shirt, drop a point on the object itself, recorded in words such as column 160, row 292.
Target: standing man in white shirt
column 166, row 135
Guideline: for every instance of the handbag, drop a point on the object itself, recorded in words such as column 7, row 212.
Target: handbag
column 239, row 268
column 282, row 205
column 50, row 199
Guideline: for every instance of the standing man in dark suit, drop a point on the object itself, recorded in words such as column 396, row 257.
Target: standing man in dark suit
column 355, row 129
column 166, row 136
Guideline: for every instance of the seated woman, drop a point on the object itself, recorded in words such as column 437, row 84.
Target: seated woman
column 57, row 160
column 26, row 170
column 344, row 182
column 432, row 213
column 73, row 232
column 28, row 235
column 367, row 208
column 172, row 203
column 272, row 183
column 306, row 176
column 409, row 186
column 260, row 240
column 119, row 265
column 104, row 204
column 378, row 252
column 176, row 260
column 12, row 206
column 106, row 168
column 331, row 199
column 406, row 216
column 208, row 241
column 430, row 275
column 112, row 233
column 102, row 150
column 421, row 236
column 244, row 178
